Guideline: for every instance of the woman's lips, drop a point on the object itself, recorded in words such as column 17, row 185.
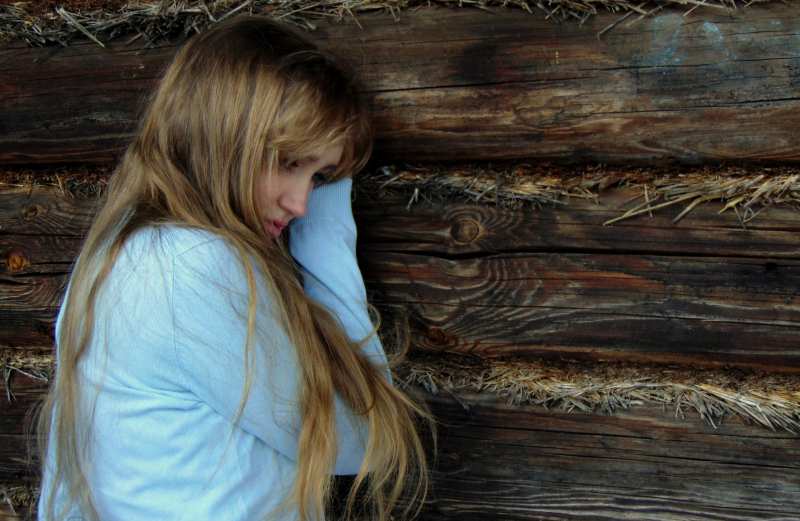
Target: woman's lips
column 275, row 228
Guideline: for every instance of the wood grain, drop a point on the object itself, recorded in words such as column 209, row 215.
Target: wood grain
column 501, row 462
column 16, row 425
column 475, row 278
column 455, row 229
column 721, row 86
column 44, row 210
column 711, row 311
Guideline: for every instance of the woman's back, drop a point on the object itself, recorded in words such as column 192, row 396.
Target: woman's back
column 151, row 456
column 167, row 354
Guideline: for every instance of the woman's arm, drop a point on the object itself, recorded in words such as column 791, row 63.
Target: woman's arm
column 210, row 320
column 323, row 242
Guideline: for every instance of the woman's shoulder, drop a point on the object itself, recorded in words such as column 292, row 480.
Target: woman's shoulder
column 171, row 240
column 174, row 248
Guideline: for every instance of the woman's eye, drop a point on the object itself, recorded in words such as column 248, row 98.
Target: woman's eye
column 319, row 179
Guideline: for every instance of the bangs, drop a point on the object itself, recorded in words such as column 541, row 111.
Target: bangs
column 356, row 142
column 322, row 107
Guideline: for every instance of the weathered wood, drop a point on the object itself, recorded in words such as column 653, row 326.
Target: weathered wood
column 711, row 311
column 456, row 229
column 502, row 85
column 541, row 282
column 30, row 326
column 577, row 226
column 54, row 95
column 38, row 255
column 16, row 424
column 44, row 210
column 41, row 231
column 497, row 461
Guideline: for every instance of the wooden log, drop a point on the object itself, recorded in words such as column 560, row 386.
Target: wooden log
column 460, row 229
column 498, row 461
column 707, row 311
column 499, row 282
column 465, row 84
column 577, row 226
column 44, row 210
column 17, row 464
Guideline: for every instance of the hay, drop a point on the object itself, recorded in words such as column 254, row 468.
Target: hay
column 17, row 499
column 59, row 22
column 79, row 182
column 743, row 191
column 768, row 400
column 36, row 363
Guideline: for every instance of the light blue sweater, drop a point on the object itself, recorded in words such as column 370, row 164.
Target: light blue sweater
column 167, row 356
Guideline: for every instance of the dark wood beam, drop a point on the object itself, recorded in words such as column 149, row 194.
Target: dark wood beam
column 496, row 282
column 457, row 84
column 577, row 225
column 521, row 463
column 705, row 311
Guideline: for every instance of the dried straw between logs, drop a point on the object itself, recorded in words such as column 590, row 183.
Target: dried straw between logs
column 714, row 394
column 16, row 499
column 78, row 182
column 58, row 22
column 744, row 191
column 768, row 400
column 33, row 363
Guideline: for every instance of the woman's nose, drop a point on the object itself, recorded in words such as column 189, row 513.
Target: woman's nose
column 295, row 200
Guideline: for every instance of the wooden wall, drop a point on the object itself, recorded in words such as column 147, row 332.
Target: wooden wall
column 498, row 85
column 474, row 278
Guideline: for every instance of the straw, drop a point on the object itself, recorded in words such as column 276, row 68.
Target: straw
column 768, row 400
column 39, row 23
column 745, row 190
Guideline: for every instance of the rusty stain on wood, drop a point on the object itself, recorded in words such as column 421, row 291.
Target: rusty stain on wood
column 16, row 261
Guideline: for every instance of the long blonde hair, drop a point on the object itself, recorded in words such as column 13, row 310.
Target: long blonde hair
column 236, row 101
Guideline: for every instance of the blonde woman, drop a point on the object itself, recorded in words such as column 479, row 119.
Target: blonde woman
column 207, row 367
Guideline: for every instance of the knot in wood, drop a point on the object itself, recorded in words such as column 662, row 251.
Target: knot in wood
column 32, row 211
column 465, row 230
column 436, row 336
column 16, row 261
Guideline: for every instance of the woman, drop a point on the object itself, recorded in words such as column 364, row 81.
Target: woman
column 204, row 370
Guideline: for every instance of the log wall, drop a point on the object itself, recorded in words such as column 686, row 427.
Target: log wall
column 555, row 281
column 549, row 282
column 496, row 282
column 481, row 280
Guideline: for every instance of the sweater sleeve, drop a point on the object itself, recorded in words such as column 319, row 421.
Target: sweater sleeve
column 210, row 299
column 323, row 243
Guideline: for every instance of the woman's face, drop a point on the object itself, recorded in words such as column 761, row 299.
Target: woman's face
column 283, row 197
